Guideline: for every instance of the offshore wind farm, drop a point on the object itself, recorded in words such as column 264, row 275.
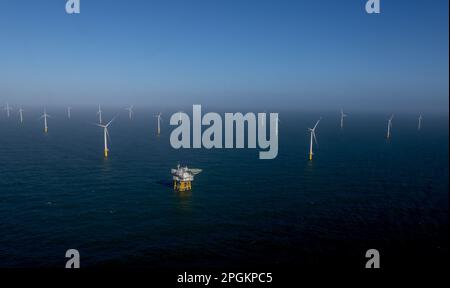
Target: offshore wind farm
column 85, row 181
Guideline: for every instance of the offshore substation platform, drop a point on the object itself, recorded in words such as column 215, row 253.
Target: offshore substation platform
column 183, row 178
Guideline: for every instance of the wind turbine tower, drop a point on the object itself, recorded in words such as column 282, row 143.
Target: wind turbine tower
column 389, row 127
column 343, row 115
column 419, row 125
column 21, row 115
column 313, row 138
column 8, row 110
column 159, row 123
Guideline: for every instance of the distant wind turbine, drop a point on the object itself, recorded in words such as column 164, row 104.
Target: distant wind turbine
column 343, row 115
column 419, row 125
column 389, row 127
column 45, row 116
column 8, row 110
column 130, row 111
column 69, row 110
column 99, row 113
column 106, row 136
column 313, row 137
column 21, row 115
column 159, row 122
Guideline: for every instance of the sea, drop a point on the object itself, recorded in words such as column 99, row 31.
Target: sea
column 360, row 192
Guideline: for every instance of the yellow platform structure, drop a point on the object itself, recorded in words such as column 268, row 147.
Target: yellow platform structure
column 182, row 186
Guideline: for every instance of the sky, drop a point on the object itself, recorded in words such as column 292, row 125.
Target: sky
column 302, row 54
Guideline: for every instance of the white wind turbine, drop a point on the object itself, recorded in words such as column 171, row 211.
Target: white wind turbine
column 419, row 125
column 99, row 113
column 69, row 110
column 343, row 115
column 313, row 137
column 106, row 136
column 388, row 135
column 45, row 116
column 130, row 111
column 8, row 110
column 159, row 122
column 21, row 115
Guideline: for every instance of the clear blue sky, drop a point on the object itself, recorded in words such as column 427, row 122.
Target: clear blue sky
column 275, row 54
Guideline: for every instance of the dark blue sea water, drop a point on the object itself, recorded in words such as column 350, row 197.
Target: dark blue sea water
column 361, row 191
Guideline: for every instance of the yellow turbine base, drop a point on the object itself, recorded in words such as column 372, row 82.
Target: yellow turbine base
column 310, row 156
column 106, row 153
column 46, row 130
column 182, row 186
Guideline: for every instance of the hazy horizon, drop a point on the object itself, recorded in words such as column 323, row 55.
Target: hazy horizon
column 305, row 55
column 146, row 110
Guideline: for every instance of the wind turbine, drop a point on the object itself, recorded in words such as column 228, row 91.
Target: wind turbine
column 45, row 116
column 313, row 136
column 69, row 110
column 21, row 115
column 106, row 136
column 388, row 136
column 130, row 111
column 8, row 110
column 99, row 113
column 159, row 122
column 419, row 125
column 343, row 115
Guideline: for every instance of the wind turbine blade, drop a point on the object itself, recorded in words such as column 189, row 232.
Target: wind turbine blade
column 315, row 139
column 114, row 118
column 317, row 123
